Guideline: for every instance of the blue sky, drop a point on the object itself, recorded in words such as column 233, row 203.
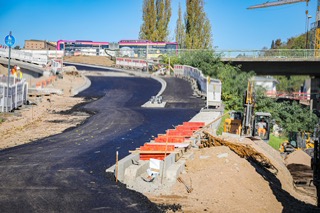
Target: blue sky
column 233, row 26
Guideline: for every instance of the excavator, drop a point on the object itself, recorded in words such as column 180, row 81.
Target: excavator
column 249, row 123
column 297, row 141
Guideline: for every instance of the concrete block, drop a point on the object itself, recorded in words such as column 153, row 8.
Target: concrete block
column 133, row 171
column 174, row 171
column 123, row 164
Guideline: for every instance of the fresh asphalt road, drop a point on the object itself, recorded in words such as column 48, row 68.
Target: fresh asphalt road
column 66, row 172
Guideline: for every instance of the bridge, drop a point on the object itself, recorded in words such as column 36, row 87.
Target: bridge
column 263, row 62
column 275, row 61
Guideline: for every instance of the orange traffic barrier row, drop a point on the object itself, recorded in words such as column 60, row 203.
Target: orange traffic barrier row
column 178, row 135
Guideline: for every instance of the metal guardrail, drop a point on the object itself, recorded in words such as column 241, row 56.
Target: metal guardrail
column 273, row 53
column 280, row 54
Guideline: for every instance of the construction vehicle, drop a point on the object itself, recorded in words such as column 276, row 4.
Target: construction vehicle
column 233, row 124
column 297, row 141
column 315, row 163
column 249, row 124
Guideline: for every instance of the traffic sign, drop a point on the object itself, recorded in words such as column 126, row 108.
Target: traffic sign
column 9, row 40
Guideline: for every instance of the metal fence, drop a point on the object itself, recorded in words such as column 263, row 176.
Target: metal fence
column 13, row 96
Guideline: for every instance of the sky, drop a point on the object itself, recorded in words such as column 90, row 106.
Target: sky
column 234, row 27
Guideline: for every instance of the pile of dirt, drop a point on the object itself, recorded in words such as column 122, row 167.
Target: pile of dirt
column 222, row 181
column 298, row 157
column 95, row 60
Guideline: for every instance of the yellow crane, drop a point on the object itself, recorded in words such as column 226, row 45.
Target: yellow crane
column 316, row 24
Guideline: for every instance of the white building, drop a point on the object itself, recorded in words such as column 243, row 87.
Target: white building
column 268, row 83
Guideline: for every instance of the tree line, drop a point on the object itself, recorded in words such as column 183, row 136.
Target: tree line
column 193, row 31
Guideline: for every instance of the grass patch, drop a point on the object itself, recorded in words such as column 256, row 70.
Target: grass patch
column 275, row 142
column 220, row 128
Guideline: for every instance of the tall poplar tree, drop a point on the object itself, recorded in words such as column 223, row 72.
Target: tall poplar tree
column 180, row 30
column 156, row 17
column 198, row 28
column 148, row 27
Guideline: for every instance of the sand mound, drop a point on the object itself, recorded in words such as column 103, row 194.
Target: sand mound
column 95, row 60
column 298, row 157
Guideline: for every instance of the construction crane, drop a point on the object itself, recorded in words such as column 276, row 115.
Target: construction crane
column 316, row 25
column 277, row 3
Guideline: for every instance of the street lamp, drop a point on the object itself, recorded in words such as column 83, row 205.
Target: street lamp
column 307, row 28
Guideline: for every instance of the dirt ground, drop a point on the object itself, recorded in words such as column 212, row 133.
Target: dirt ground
column 221, row 180
column 96, row 60
column 37, row 120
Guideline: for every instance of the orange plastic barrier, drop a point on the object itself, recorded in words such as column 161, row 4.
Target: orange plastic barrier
column 185, row 133
column 44, row 83
column 169, row 139
column 181, row 127
column 155, row 147
column 199, row 124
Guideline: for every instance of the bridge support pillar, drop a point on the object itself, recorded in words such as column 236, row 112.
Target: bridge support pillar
column 315, row 93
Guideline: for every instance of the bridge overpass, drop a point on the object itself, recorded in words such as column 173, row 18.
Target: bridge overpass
column 274, row 62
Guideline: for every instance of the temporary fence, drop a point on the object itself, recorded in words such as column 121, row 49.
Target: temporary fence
column 209, row 87
column 25, row 56
column 131, row 62
column 13, row 96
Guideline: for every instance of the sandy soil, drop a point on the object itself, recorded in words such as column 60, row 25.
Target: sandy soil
column 224, row 182
column 40, row 119
column 96, row 60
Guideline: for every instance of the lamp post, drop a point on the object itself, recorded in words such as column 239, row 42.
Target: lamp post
column 307, row 28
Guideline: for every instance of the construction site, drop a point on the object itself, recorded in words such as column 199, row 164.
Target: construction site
column 190, row 168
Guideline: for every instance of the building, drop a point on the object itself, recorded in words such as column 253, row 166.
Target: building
column 39, row 45
column 268, row 83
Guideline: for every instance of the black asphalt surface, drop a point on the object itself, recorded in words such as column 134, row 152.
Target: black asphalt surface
column 66, row 172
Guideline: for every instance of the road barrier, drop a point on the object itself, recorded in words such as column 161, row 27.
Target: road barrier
column 203, row 86
column 13, row 97
column 131, row 63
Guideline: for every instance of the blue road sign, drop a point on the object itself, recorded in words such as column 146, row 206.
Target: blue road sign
column 9, row 40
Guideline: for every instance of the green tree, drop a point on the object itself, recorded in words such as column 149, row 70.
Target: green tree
column 180, row 30
column 163, row 8
column 290, row 83
column 148, row 28
column 198, row 28
column 156, row 17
